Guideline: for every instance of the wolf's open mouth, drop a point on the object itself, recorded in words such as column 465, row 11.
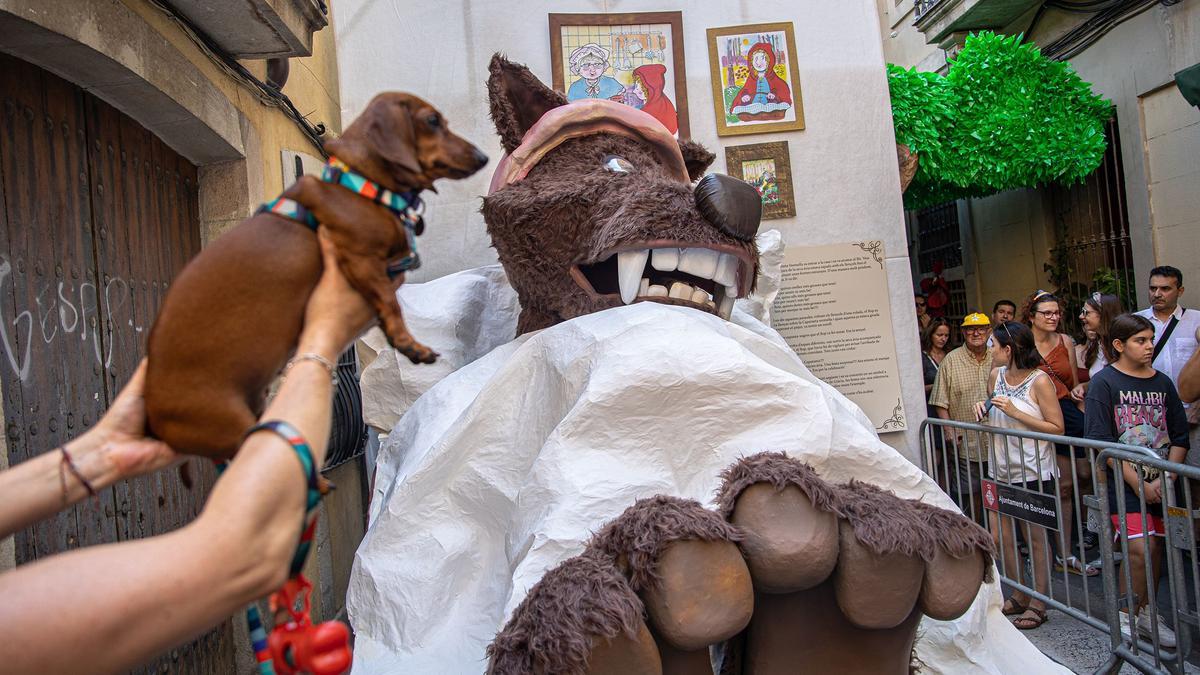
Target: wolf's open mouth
column 704, row 277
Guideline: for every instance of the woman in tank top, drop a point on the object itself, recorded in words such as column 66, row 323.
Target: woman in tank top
column 1042, row 313
column 1023, row 398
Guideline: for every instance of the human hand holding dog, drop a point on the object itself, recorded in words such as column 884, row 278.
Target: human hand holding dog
column 114, row 449
column 336, row 313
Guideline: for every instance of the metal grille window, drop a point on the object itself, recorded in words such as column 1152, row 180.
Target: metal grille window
column 939, row 237
column 1091, row 228
column 958, row 302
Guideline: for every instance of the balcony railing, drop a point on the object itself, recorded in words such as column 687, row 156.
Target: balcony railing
column 923, row 6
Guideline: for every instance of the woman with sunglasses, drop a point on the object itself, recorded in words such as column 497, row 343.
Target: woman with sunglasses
column 1042, row 312
column 923, row 316
column 1022, row 398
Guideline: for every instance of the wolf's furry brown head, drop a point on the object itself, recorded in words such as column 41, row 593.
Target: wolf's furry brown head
column 585, row 198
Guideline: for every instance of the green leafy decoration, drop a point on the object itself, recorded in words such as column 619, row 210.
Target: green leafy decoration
column 1003, row 117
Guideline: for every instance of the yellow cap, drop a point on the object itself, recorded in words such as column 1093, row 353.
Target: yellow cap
column 976, row 319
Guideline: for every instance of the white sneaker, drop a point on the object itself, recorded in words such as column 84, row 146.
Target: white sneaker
column 1166, row 636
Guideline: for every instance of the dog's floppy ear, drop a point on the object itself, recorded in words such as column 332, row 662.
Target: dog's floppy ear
column 390, row 130
column 696, row 158
column 518, row 100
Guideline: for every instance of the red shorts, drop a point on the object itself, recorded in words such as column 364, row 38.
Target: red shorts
column 1136, row 528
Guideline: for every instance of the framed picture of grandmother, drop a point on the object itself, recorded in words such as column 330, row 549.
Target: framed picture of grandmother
column 755, row 84
column 768, row 167
column 632, row 58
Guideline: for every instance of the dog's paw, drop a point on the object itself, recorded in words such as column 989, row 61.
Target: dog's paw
column 418, row 353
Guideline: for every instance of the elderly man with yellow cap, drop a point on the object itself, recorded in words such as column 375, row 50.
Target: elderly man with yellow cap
column 961, row 381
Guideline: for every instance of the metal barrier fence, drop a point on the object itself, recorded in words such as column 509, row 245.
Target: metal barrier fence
column 1041, row 494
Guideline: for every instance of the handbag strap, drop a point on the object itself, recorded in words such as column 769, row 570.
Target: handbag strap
column 1162, row 342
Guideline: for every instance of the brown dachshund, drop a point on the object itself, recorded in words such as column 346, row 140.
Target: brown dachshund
column 234, row 315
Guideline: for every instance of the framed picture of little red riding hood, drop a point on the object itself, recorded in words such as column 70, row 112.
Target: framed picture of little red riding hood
column 756, row 88
column 768, row 167
column 634, row 58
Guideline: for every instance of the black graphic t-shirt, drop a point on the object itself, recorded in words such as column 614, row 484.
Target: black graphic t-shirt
column 1142, row 411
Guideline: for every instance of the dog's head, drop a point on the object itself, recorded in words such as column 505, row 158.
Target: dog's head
column 403, row 143
column 594, row 206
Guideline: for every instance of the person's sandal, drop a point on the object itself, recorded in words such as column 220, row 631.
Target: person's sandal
column 1023, row 622
column 1012, row 608
column 1074, row 566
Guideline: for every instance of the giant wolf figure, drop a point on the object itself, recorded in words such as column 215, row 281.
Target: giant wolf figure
column 547, row 500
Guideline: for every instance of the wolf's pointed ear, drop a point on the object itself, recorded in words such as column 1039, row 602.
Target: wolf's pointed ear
column 696, row 158
column 517, row 99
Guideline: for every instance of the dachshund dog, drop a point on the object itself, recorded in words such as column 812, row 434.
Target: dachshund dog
column 233, row 316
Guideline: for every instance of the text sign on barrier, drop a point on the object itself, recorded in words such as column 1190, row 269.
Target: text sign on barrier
column 1033, row 507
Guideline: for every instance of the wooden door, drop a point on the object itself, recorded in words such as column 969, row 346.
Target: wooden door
column 97, row 216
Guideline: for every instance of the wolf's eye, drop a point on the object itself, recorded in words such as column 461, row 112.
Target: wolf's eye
column 617, row 164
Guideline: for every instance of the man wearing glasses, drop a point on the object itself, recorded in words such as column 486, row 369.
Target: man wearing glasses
column 961, row 381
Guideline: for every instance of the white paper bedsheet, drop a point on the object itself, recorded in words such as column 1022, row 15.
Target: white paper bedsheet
column 505, row 466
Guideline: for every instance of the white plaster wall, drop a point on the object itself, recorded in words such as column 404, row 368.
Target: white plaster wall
column 844, row 163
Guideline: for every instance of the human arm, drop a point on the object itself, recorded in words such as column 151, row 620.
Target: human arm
column 1098, row 423
column 1070, row 344
column 981, row 406
column 1189, row 376
column 115, row 449
column 929, row 371
column 944, row 414
column 120, row 604
column 939, row 398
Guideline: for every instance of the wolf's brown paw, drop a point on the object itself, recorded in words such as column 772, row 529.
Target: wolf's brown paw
column 792, row 574
column 842, row 574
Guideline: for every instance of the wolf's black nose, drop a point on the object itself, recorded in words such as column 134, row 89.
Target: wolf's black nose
column 732, row 205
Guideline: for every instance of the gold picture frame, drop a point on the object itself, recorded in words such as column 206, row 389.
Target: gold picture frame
column 773, row 101
column 768, row 167
column 628, row 45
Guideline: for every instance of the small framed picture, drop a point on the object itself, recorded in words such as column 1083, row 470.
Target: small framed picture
column 631, row 58
column 768, row 168
column 756, row 87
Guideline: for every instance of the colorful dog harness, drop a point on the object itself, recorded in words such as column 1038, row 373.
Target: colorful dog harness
column 405, row 206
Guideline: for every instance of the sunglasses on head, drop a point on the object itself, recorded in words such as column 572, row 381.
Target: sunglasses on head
column 1007, row 332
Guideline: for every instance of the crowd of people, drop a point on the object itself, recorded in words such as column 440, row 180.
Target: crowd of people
column 1131, row 378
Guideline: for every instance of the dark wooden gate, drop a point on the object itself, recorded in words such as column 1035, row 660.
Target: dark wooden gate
column 97, row 216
